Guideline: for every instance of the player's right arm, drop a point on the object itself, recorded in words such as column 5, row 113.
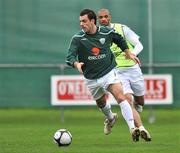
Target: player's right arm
column 72, row 54
column 71, row 58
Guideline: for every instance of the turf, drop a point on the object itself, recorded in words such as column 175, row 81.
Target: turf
column 32, row 130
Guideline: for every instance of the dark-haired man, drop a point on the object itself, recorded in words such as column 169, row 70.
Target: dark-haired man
column 89, row 52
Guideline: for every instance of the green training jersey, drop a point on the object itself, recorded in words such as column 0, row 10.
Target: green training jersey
column 94, row 51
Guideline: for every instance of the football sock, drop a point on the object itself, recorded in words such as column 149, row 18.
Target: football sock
column 127, row 113
column 107, row 111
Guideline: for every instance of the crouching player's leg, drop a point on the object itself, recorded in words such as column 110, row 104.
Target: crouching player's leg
column 99, row 94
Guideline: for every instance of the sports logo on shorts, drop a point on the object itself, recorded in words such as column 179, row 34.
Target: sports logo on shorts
column 102, row 40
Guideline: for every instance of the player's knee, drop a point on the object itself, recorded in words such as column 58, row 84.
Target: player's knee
column 120, row 98
column 130, row 98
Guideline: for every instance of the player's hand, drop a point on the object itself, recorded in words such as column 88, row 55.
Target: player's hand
column 131, row 56
column 78, row 66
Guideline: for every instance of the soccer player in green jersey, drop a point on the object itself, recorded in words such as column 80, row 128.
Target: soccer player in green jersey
column 89, row 52
column 129, row 71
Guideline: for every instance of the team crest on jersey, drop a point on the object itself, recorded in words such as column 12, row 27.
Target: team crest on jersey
column 102, row 40
column 95, row 51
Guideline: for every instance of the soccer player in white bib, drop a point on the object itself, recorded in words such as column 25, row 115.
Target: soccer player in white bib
column 128, row 71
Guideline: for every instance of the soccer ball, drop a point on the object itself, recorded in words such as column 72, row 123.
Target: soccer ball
column 62, row 137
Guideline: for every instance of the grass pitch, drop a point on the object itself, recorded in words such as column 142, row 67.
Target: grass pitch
column 32, row 130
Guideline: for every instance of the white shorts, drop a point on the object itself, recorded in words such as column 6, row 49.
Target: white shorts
column 98, row 87
column 132, row 80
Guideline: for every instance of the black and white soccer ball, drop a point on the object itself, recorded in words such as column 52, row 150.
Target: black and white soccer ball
column 62, row 137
